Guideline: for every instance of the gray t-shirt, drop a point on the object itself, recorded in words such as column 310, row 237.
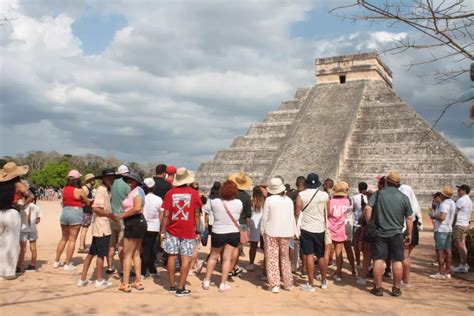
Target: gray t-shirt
column 392, row 208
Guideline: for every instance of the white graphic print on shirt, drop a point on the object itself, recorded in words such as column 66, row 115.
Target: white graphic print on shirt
column 181, row 202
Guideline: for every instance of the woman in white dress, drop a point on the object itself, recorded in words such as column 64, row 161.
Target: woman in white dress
column 258, row 199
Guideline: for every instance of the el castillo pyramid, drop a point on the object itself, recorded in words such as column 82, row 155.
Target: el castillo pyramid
column 350, row 126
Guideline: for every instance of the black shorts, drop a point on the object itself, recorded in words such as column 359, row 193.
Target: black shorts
column 391, row 248
column 220, row 240
column 415, row 234
column 135, row 227
column 312, row 243
column 100, row 246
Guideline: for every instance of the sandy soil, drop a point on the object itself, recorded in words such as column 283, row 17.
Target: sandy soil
column 54, row 292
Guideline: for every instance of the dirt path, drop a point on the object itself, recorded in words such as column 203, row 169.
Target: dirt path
column 53, row 292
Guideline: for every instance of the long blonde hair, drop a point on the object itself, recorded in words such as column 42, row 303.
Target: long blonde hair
column 258, row 199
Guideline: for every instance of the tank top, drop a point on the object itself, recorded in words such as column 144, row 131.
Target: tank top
column 338, row 209
column 69, row 199
column 87, row 209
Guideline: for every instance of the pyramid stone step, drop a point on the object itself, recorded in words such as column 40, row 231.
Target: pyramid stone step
column 378, row 123
column 245, row 153
column 416, row 166
column 256, row 141
column 279, row 116
column 387, row 136
column 273, row 128
column 401, row 149
column 290, row 105
column 224, row 166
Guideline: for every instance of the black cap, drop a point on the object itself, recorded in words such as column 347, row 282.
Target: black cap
column 312, row 181
column 464, row 187
column 436, row 194
column 109, row 172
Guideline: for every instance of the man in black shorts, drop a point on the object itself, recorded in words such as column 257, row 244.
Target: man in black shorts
column 391, row 208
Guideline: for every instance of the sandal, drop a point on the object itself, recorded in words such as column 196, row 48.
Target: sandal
column 125, row 288
column 138, row 286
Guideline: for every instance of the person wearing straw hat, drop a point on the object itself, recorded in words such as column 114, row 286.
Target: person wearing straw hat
column 180, row 228
column 278, row 227
column 443, row 226
column 135, row 228
column 89, row 180
column 101, row 230
column 244, row 183
column 391, row 209
column 23, row 196
column 74, row 198
column 10, row 220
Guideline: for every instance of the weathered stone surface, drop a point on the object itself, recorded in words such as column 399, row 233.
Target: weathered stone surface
column 353, row 132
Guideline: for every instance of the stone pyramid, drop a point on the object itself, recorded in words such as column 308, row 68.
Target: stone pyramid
column 350, row 126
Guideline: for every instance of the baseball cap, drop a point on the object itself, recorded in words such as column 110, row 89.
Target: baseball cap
column 171, row 169
column 74, row 174
column 464, row 187
column 122, row 169
column 149, row 182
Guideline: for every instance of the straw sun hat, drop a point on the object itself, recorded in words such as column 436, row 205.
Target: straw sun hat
column 183, row 176
column 10, row 171
column 243, row 181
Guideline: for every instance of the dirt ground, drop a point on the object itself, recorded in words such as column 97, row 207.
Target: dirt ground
column 54, row 292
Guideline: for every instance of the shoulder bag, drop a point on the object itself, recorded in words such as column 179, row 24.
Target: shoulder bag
column 244, row 234
column 371, row 228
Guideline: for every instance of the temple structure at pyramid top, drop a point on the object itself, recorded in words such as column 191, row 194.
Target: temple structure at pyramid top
column 349, row 126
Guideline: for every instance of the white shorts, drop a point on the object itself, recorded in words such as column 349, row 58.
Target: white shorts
column 28, row 236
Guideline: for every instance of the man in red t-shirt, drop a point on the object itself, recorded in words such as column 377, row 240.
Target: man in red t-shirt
column 181, row 222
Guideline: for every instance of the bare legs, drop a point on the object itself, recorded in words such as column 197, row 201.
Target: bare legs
column 69, row 237
column 253, row 251
column 227, row 253
column 350, row 255
column 131, row 253
column 62, row 242
column 338, row 246
column 407, row 264
column 82, row 238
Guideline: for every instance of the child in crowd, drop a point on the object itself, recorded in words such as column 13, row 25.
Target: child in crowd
column 30, row 217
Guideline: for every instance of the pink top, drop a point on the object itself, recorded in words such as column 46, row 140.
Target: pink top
column 336, row 218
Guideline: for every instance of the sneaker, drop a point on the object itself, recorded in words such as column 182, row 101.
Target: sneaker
column 438, row 276
column 361, row 281
column 18, row 270
column 332, row 264
column 396, row 292
column 238, row 271
column 224, row 287
column 337, row 279
column 230, row 277
column 467, row 267
column 172, row 289
column 57, row 264
column 30, row 268
column 250, row 267
column 377, row 291
column 404, row 285
column 387, row 274
column 110, row 271
column 81, row 283
column 275, row 289
column 182, row 292
column 241, row 253
column 324, row 285
column 307, row 288
column 102, row 284
column 318, row 277
column 460, row 269
column 262, row 277
column 69, row 267
column 303, row 274
column 142, row 277
column 205, row 284
column 448, row 276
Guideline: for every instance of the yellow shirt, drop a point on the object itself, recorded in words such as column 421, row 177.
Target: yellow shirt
column 100, row 224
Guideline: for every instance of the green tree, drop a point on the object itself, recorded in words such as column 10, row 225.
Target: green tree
column 53, row 174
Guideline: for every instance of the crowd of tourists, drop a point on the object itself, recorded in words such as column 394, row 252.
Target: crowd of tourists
column 304, row 230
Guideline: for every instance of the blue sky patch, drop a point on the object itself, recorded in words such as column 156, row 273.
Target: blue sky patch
column 97, row 31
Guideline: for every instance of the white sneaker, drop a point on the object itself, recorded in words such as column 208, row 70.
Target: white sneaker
column 319, row 277
column 81, row 283
column 307, row 288
column 102, row 284
column 224, row 287
column 460, row 269
column 69, row 267
column 57, row 264
column 361, row 281
column 404, row 285
column 276, row 289
column 438, row 276
column 206, row 284
column 324, row 285
column 466, row 266
column 448, row 276
column 337, row 279
column 250, row 267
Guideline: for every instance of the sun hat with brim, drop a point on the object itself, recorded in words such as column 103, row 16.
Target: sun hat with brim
column 340, row 189
column 276, row 186
column 393, row 177
column 242, row 180
column 183, row 176
column 107, row 173
column 10, row 171
column 88, row 177
column 447, row 191
column 74, row 174
column 312, row 181
column 149, row 182
column 133, row 176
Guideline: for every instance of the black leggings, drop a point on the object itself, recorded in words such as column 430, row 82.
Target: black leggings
column 149, row 252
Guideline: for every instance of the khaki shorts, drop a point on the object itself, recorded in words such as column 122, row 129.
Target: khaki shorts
column 460, row 232
column 117, row 228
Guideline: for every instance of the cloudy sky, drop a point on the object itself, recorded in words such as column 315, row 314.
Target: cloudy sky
column 153, row 81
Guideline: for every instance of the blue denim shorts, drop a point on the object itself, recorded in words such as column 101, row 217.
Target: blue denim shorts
column 71, row 216
column 179, row 246
column 443, row 241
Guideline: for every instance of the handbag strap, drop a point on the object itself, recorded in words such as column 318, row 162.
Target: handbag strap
column 317, row 190
column 372, row 217
column 230, row 216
